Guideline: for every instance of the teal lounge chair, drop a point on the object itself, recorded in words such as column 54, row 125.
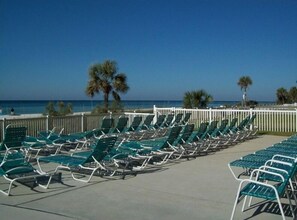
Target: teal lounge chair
column 14, row 136
column 135, row 124
column 147, row 122
column 87, row 161
column 161, row 151
column 168, row 121
column 186, row 133
column 269, row 182
column 177, row 119
column 14, row 167
column 105, row 128
column 186, row 118
column 121, row 125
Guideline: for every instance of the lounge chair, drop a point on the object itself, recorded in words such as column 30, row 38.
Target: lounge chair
column 160, row 150
column 87, row 161
column 53, row 143
column 168, row 121
column 135, row 124
column 269, row 183
column 106, row 127
column 186, row 133
column 186, row 118
column 14, row 136
column 199, row 142
column 147, row 122
column 14, row 167
column 120, row 126
column 158, row 124
column 177, row 119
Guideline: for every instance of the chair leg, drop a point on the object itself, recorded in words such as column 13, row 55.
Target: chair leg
column 280, row 207
column 236, row 201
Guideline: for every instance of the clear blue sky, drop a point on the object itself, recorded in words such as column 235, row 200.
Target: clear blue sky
column 165, row 47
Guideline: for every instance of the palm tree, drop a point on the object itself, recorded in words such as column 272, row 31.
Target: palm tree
column 197, row 99
column 282, row 95
column 244, row 82
column 293, row 94
column 106, row 79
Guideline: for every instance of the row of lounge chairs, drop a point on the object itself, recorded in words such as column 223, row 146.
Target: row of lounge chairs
column 268, row 174
column 120, row 152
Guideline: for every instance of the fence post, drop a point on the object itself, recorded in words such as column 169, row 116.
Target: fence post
column 82, row 122
column 47, row 123
column 210, row 115
column 251, row 115
column 3, row 128
column 296, row 119
column 155, row 113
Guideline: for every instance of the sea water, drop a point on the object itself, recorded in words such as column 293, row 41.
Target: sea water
column 39, row 106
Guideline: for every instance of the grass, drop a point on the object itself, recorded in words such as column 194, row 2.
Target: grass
column 276, row 133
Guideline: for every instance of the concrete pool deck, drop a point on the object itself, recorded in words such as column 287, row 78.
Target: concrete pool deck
column 201, row 188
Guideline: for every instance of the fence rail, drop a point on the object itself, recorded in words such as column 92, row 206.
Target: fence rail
column 266, row 120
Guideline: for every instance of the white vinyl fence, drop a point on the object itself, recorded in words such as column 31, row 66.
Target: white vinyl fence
column 266, row 120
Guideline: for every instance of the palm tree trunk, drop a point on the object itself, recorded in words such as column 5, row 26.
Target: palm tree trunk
column 244, row 98
column 106, row 101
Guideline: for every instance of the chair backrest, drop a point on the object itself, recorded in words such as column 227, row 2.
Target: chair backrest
column 135, row 123
column 106, row 125
column 102, row 148
column 210, row 129
column 221, row 128
column 200, row 132
column 186, row 118
column 147, row 122
column 233, row 122
column 250, row 121
column 243, row 123
column 121, row 124
column 186, row 133
column 173, row 135
column 177, row 119
column 231, row 126
column 168, row 120
column 14, row 136
column 15, row 163
column 160, row 121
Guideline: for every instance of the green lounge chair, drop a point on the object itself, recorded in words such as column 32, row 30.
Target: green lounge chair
column 135, row 124
column 147, row 122
column 269, row 183
column 168, row 121
column 14, row 136
column 199, row 142
column 177, row 119
column 160, row 120
column 14, row 167
column 161, row 151
column 87, row 161
column 120, row 126
column 185, row 134
column 186, row 118
column 106, row 126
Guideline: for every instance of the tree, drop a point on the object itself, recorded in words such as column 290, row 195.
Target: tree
column 197, row 99
column 244, row 82
column 282, row 95
column 293, row 94
column 50, row 109
column 106, row 79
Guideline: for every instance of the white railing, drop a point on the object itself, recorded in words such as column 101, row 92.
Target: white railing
column 266, row 120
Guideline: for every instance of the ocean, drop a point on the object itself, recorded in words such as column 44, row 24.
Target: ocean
column 38, row 106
